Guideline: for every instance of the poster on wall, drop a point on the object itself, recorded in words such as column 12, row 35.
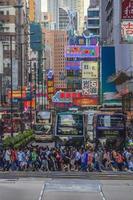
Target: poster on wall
column 89, row 87
column 1, row 58
column 127, row 9
column 89, row 69
column 127, row 31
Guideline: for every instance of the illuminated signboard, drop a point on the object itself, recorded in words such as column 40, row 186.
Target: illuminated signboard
column 89, row 87
column 83, row 102
column 65, row 97
column 50, row 84
column 127, row 31
column 89, row 70
column 17, row 94
column 127, row 9
column 50, row 74
column 82, row 51
column 72, row 65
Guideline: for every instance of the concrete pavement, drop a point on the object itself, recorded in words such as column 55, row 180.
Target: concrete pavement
column 65, row 189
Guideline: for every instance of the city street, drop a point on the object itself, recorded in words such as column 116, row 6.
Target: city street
column 65, row 189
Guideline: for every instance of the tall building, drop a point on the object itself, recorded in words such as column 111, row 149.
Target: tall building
column 38, row 11
column 94, row 3
column 117, row 33
column 63, row 19
column 76, row 6
column 55, row 43
column 93, row 19
column 53, row 10
column 13, row 33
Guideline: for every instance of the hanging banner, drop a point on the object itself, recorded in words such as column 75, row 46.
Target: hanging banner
column 127, row 31
column 89, row 87
column 1, row 57
column 127, row 9
column 89, row 69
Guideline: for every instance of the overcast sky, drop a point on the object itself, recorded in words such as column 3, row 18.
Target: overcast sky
column 44, row 5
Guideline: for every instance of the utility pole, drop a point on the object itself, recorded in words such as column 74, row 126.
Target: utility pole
column 11, row 85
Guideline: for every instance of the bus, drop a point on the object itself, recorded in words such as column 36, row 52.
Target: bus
column 109, row 130
column 70, row 128
column 89, row 120
column 43, row 126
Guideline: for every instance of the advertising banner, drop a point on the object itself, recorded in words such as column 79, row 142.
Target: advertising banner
column 84, row 102
column 127, row 9
column 127, row 31
column 108, row 67
column 89, row 87
column 78, row 51
column 1, row 58
column 89, row 70
column 72, row 65
column 17, row 94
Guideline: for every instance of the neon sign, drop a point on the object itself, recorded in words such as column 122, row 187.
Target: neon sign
column 82, row 51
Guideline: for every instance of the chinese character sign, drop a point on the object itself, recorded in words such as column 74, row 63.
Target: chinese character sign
column 89, row 87
column 127, row 9
column 89, row 70
column 82, row 51
column 127, row 31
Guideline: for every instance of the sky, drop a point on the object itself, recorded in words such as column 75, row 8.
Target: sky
column 44, row 5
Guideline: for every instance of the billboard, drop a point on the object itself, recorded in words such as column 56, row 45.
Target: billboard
column 109, row 68
column 89, row 69
column 78, row 51
column 127, row 9
column 17, row 94
column 84, row 102
column 50, row 84
column 1, row 58
column 127, row 31
column 72, row 65
column 89, row 87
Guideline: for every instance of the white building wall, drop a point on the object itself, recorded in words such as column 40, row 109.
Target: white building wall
column 123, row 52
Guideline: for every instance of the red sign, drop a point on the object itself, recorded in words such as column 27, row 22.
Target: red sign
column 84, row 102
column 127, row 31
column 127, row 9
column 70, row 95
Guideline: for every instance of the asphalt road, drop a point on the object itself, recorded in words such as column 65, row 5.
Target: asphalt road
column 65, row 189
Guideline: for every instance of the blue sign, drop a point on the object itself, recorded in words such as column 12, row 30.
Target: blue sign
column 50, row 74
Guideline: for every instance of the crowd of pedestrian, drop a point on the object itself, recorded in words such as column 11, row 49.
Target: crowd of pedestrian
column 65, row 159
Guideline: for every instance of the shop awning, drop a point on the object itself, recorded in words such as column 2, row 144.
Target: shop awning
column 119, row 78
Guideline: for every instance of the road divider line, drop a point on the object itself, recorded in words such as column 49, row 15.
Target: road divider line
column 42, row 192
column 101, row 193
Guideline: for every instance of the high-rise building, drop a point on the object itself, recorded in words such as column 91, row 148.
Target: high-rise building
column 76, row 6
column 93, row 19
column 53, row 10
column 55, row 43
column 94, row 3
column 37, row 10
column 12, row 35
column 112, row 14
column 63, row 19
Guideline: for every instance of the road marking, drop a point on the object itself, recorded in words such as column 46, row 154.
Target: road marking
column 42, row 192
column 101, row 193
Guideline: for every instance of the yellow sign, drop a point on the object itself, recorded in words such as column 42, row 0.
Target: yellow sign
column 90, row 70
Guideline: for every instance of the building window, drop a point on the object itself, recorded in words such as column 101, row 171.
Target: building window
column 94, row 13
